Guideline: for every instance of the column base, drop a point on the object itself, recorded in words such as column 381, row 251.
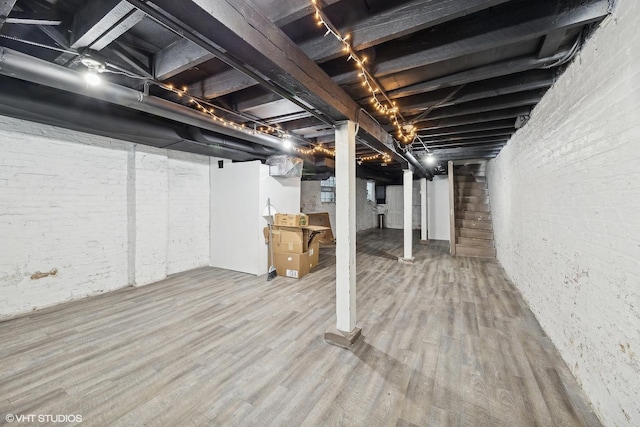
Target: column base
column 403, row 260
column 424, row 242
column 342, row 339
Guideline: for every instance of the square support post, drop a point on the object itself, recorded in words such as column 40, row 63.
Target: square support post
column 345, row 332
column 407, row 181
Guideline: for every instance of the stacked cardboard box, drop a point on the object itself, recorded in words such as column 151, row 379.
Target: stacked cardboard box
column 296, row 249
column 291, row 220
column 322, row 218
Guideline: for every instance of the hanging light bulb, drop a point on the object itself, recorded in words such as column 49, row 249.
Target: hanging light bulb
column 94, row 68
column 286, row 142
column 430, row 159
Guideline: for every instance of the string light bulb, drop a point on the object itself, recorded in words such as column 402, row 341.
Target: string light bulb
column 387, row 108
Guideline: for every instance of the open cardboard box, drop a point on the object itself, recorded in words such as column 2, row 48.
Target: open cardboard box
column 296, row 249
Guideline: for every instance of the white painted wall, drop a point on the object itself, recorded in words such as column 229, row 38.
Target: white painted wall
column 366, row 211
column 566, row 212
column 394, row 206
column 284, row 194
column 151, row 214
column 438, row 208
column 239, row 193
column 60, row 207
column 105, row 213
column 189, row 193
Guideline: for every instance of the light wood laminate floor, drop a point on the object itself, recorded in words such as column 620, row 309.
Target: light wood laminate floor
column 447, row 341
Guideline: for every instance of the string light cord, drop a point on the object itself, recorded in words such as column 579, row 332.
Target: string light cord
column 405, row 132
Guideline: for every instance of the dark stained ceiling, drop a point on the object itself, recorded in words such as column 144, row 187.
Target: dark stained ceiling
column 465, row 74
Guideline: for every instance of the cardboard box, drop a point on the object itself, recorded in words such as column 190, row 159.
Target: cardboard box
column 322, row 219
column 285, row 239
column 294, row 240
column 314, row 254
column 292, row 265
column 291, row 220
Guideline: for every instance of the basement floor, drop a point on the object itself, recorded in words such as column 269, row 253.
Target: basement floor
column 447, row 341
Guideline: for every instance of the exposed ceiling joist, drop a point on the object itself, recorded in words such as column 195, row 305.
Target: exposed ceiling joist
column 457, row 130
column 436, row 51
column 552, row 42
column 392, row 23
column 484, row 105
column 102, row 21
column 237, row 26
column 470, row 119
column 179, row 57
column 480, row 144
column 535, row 79
column 5, row 9
column 470, row 136
column 502, row 68
column 33, row 18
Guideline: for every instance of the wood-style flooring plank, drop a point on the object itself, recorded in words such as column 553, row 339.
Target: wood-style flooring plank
column 446, row 341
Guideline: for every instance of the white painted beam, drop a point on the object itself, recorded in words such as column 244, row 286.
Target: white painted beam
column 423, row 211
column 407, row 181
column 346, row 226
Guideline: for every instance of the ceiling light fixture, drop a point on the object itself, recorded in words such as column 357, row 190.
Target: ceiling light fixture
column 94, row 68
column 430, row 159
column 286, row 141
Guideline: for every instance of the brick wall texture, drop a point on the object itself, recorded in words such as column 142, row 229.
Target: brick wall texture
column 103, row 213
column 566, row 209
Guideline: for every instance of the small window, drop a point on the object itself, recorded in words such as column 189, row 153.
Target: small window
column 328, row 190
column 371, row 191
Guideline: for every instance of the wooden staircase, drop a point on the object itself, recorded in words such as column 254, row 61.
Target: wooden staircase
column 473, row 227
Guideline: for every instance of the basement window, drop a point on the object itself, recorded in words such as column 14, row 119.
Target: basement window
column 328, row 190
column 371, row 191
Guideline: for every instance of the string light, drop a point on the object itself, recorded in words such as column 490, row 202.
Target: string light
column 405, row 133
column 210, row 110
column 384, row 157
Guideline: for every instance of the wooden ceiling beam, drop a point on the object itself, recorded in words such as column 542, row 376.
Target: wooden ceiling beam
column 6, row 6
column 491, row 134
column 238, row 27
column 459, row 130
column 393, row 23
column 470, row 119
column 530, row 80
column 502, row 68
column 448, row 44
column 100, row 22
column 485, row 105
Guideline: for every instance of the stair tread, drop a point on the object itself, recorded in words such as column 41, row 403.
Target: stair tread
column 483, row 252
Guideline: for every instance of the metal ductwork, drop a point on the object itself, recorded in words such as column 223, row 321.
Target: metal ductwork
column 412, row 159
column 25, row 67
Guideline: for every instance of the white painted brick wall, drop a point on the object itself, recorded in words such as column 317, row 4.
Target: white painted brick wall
column 189, row 191
column 103, row 212
column 366, row 214
column 152, row 214
column 60, row 207
column 566, row 212
column 394, row 206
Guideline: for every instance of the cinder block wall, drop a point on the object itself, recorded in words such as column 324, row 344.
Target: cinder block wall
column 565, row 198
column 104, row 213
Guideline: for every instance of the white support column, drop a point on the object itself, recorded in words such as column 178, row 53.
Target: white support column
column 407, row 181
column 346, row 332
column 424, row 239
